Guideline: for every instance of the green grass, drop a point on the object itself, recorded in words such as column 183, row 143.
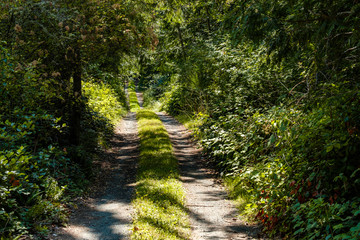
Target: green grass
column 189, row 121
column 160, row 212
column 133, row 101
column 134, row 105
column 239, row 193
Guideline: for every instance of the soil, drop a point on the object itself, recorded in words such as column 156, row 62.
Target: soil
column 107, row 214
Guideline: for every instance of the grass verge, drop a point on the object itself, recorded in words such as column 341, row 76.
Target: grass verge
column 237, row 192
column 241, row 196
column 133, row 101
column 159, row 203
column 191, row 122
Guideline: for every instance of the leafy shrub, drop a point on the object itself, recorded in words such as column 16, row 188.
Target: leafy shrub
column 104, row 100
column 319, row 219
column 37, row 177
column 285, row 159
column 182, row 99
column 33, row 178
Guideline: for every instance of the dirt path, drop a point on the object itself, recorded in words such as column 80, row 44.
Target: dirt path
column 107, row 215
column 140, row 98
column 212, row 215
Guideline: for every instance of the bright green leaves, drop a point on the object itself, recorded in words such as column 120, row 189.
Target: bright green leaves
column 103, row 100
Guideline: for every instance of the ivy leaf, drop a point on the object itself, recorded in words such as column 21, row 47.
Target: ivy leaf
column 299, row 231
column 271, row 140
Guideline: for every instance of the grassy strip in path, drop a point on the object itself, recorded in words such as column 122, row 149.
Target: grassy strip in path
column 159, row 203
column 133, row 101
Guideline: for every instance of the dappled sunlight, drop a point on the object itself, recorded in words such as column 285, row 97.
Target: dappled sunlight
column 211, row 214
column 81, row 232
column 160, row 197
column 102, row 221
column 107, row 215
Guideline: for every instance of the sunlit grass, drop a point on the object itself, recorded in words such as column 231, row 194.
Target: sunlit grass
column 189, row 121
column 160, row 198
column 133, row 101
column 239, row 193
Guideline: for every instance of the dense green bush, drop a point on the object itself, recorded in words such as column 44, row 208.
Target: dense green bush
column 102, row 99
column 49, row 131
column 278, row 96
column 35, row 165
column 33, row 177
column 292, row 163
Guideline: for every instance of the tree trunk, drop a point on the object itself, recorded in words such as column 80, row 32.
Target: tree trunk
column 208, row 19
column 181, row 41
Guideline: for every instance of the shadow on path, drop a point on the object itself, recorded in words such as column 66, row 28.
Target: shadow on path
column 107, row 214
column 212, row 215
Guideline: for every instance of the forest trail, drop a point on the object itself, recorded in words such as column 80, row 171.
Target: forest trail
column 212, row 215
column 107, row 215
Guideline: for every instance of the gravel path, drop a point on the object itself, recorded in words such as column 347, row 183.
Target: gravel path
column 140, row 99
column 107, row 215
column 212, row 215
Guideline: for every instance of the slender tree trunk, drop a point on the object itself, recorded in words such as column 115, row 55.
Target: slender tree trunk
column 208, row 19
column 181, row 41
column 75, row 127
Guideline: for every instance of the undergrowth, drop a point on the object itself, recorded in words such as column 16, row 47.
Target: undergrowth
column 288, row 152
column 37, row 176
column 191, row 121
column 102, row 99
column 160, row 211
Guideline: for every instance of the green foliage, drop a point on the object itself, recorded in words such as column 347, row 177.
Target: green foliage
column 319, row 219
column 37, row 177
column 33, row 176
column 103, row 100
column 276, row 85
column 159, row 203
column 272, row 156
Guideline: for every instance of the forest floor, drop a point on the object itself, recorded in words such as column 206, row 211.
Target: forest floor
column 107, row 214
